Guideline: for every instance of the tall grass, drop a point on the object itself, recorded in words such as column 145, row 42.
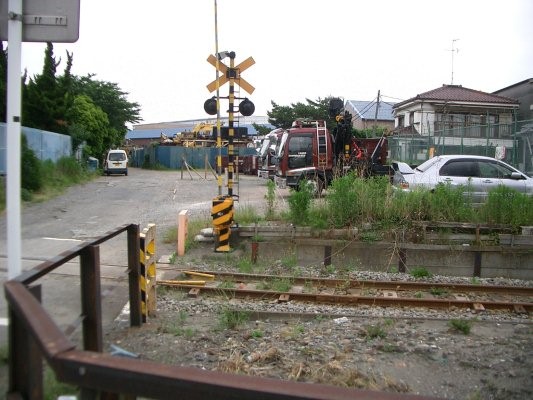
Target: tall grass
column 507, row 206
column 53, row 178
column 300, row 203
column 352, row 200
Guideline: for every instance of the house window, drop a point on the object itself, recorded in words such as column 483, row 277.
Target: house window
column 411, row 118
column 400, row 121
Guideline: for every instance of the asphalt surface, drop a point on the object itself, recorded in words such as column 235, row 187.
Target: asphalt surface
column 87, row 211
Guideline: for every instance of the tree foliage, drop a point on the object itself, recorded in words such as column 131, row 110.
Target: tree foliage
column 91, row 111
column 283, row 116
column 90, row 125
column 261, row 129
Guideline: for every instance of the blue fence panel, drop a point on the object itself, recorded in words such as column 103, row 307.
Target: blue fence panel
column 46, row 145
column 173, row 157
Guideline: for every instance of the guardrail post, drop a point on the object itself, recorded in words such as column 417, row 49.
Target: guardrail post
column 327, row 256
column 25, row 360
column 134, row 272
column 402, row 260
column 477, row 264
column 91, row 301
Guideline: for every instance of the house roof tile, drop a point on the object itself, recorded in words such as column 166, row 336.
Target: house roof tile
column 459, row 93
column 367, row 110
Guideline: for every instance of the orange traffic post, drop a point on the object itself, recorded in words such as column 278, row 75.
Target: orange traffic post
column 183, row 221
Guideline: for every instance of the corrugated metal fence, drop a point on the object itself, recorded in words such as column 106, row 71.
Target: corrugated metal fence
column 46, row 145
column 173, row 157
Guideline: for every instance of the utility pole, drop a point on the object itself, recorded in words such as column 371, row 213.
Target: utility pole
column 377, row 108
column 453, row 50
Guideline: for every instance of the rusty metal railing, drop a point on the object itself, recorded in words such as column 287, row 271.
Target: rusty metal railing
column 33, row 335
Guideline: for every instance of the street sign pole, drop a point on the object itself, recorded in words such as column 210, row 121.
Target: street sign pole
column 43, row 21
column 13, row 138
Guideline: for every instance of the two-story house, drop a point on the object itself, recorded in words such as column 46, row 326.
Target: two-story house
column 454, row 119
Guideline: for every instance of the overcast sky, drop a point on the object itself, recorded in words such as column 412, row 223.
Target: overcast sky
column 156, row 50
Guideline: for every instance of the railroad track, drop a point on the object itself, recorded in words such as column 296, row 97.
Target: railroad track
column 478, row 297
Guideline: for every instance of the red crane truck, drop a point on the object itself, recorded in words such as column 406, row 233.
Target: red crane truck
column 309, row 152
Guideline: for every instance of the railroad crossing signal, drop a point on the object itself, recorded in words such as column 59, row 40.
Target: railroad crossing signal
column 228, row 73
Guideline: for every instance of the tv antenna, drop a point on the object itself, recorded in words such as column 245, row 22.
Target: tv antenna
column 453, row 50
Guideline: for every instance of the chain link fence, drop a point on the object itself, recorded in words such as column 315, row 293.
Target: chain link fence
column 512, row 143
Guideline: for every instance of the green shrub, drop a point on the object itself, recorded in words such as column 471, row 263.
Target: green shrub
column 460, row 325
column 375, row 332
column 231, row 319
column 420, row 272
column 30, row 168
column 299, row 204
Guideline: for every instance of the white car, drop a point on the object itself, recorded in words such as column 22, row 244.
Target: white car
column 480, row 174
column 116, row 162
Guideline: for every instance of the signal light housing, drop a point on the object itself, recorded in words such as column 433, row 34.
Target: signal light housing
column 246, row 107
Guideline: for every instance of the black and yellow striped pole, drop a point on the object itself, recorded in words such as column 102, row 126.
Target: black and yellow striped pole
column 232, row 72
column 148, row 271
column 222, row 207
column 222, row 214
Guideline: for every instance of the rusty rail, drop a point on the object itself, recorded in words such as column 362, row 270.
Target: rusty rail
column 34, row 335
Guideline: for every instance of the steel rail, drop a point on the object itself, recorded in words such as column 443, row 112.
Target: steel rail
column 374, row 284
column 356, row 300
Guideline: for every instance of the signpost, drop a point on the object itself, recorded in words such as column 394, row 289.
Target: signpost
column 37, row 21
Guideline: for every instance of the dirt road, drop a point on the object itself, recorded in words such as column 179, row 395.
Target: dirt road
column 87, row 211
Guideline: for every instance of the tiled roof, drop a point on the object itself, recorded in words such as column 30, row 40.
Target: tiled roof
column 367, row 110
column 459, row 93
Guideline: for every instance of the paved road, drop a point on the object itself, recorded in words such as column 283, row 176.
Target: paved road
column 90, row 210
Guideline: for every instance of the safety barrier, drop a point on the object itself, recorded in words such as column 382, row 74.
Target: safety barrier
column 147, row 276
column 222, row 214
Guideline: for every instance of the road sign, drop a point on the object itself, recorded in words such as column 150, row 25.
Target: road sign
column 44, row 20
column 233, row 73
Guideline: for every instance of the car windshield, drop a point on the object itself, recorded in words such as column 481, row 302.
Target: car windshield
column 117, row 156
column 425, row 165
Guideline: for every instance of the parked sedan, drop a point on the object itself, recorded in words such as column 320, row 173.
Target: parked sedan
column 480, row 174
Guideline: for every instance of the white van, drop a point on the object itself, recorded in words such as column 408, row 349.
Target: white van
column 116, row 162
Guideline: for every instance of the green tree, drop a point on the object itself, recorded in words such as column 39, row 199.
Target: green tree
column 89, row 124
column 43, row 101
column 112, row 101
column 261, row 129
column 283, row 116
column 53, row 103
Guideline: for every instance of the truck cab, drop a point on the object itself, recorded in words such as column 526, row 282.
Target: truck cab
column 305, row 153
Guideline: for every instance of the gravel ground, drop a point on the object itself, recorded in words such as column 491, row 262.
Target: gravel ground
column 412, row 351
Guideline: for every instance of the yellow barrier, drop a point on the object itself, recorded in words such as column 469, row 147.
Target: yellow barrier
column 148, row 271
column 222, row 214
